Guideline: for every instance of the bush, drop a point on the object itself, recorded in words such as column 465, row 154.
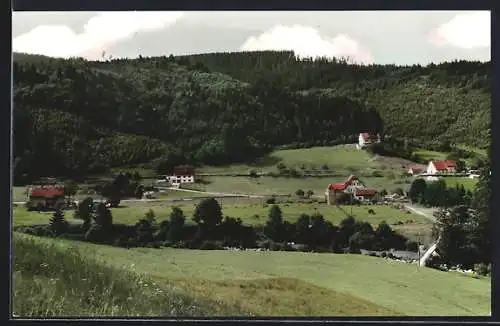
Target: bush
column 253, row 174
column 483, row 269
column 299, row 193
column 287, row 247
column 58, row 223
column 412, row 246
column 167, row 244
column 95, row 234
column 398, row 191
column 273, row 246
column 383, row 255
column 121, row 241
column 271, row 201
column 210, row 245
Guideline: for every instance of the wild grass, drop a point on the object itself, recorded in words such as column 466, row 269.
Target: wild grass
column 301, row 284
column 53, row 278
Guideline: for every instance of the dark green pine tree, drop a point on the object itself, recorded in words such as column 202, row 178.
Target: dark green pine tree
column 58, row 223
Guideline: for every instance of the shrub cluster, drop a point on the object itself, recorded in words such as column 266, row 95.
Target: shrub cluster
column 213, row 231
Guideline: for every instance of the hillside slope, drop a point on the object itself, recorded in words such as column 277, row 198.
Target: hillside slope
column 451, row 100
column 230, row 107
column 288, row 283
column 52, row 279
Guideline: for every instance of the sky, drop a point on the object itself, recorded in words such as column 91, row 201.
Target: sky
column 366, row 37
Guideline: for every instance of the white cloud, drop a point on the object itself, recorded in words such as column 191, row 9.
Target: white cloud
column 469, row 30
column 99, row 33
column 307, row 42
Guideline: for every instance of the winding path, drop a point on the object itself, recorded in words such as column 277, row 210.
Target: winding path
column 428, row 253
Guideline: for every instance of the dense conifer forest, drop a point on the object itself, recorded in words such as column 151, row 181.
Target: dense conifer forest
column 74, row 117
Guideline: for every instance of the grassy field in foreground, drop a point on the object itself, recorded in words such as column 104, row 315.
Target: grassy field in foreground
column 53, row 279
column 414, row 226
column 287, row 283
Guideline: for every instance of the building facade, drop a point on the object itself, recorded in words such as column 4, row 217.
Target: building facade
column 441, row 167
column 366, row 139
column 45, row 197
column 352, row 187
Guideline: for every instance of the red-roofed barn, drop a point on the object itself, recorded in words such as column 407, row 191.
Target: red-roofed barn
column 351, row 186
column 46, row 197
column 442, row 167
column 416, row 169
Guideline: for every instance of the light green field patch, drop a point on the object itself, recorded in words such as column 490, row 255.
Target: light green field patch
column 391, row 286
column 342, row 159
column 468, row 183
column 429, row 155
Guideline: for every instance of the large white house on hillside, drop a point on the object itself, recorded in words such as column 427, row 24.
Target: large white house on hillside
column 365, row 139
column 441, row 167
column 182, row 174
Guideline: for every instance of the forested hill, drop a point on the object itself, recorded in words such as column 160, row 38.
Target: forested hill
column 74, row 117
column 450, row 101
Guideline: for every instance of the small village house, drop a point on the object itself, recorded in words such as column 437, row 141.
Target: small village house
column 441, row 167
column 351, row 186
column 416, row 169
column 46, row 197
column 366, row 139
column 182, row 174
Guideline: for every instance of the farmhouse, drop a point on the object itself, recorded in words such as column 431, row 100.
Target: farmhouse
column 416, row 169
column 182, row 174
column 353, row 187
column 441, row 167
column 365, row 139
column 46, row 197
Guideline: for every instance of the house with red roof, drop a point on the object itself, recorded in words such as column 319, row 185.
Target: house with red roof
column 366, row 139
column 182, row 174
column 46, row 197
column 416, row 169
column 352, row 186
column 441, row 167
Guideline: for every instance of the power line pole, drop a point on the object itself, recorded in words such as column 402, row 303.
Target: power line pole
column 418, row 250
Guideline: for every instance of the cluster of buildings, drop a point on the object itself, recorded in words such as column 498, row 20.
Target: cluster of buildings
column 434, row 169
column 357, row 190
column 352, row 186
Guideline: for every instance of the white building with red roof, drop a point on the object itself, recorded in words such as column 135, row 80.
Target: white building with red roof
column 441, row 167
column 351, row 186
column 46, row 197
column 366, row 139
